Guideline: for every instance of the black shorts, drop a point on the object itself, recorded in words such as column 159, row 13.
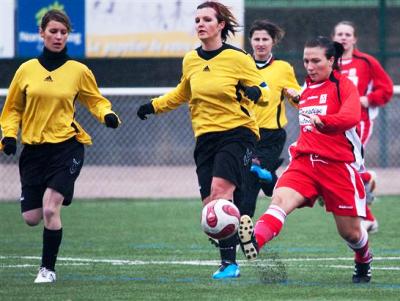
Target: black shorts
column 269, row 147
column 226, row 155
column 49, row 165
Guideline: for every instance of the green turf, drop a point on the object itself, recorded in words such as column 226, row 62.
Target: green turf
column 154, row 238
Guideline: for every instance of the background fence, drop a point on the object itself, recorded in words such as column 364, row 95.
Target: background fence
column 154, row 158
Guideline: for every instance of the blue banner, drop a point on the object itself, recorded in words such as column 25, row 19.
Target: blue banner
column 29, row 15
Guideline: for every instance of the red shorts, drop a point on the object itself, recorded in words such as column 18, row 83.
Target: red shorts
column 338, row 183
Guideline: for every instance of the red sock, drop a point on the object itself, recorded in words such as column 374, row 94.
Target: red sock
column 369, row 216
column 269, row 225
column 361, row 249
column 365, row 176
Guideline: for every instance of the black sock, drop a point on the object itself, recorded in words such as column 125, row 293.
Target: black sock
column 227, row 249
column 51, row 244
column 268, row 188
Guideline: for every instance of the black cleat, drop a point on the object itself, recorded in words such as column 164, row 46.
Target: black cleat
column 362, row 273
column 247, row 239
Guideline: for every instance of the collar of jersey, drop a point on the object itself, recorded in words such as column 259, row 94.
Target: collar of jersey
column 53, row 60
column 208, row 55
column 264, row 64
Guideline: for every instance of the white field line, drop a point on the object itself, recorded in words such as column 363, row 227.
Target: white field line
column 199, row 262
column 346, row 267
column 35, row 265
column 352, row 266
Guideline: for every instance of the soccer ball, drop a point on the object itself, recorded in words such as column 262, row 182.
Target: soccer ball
column 220, row 219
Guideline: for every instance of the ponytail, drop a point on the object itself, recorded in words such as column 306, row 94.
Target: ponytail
column 339, row 49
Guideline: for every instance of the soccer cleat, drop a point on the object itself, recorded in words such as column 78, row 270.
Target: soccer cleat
column 362, row 272
column 372, row 181
column 369, row 195
column 262, row 174
column 370, row 226
column 370, row 187
column 247, row 238
column 227, row 270
column 45, row 276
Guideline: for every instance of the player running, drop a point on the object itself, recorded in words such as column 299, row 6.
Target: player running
column 41, row 101
column 324, row 161
column 215, row 77
column 271, row 118
column 375, row 88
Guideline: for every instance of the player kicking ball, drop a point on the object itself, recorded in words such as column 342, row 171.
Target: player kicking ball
column 325, row 160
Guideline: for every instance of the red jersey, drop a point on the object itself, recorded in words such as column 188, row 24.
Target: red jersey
column 337, row 103
column 370, row 79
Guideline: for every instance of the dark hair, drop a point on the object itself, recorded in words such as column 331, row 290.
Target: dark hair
column 56, row 15
column 273, row 30
column 344, row 22
column 332, row 49
column 223, row 14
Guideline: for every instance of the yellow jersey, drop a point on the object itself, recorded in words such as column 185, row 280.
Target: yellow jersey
column 279, row 75
column 42, row 103
column 212, row 83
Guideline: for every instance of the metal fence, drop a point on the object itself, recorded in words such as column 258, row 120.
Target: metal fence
column 154, row 158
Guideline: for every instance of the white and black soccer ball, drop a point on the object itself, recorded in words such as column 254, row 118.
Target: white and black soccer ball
column 220, row 219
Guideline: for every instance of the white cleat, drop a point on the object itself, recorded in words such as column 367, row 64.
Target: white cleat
column 247, row 238
column 370, row 226
column 45, row 276
column 372, row 181
column 370, row 188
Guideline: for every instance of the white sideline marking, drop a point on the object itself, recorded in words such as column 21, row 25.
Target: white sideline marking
column 347, row 266
column 35, row 265
column 197, row 262
column 300, row 266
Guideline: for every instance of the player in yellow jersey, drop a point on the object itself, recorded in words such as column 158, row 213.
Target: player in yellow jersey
column 271, row 118
column 41, row 102
column 214, row 79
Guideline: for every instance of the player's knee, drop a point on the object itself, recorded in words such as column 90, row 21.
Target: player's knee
column 32, row 217
column 221, row 192
column 278, row 199
column 31, row 221
column 351, row 237
column 49, row 213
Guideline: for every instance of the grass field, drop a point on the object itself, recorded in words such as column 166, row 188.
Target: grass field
column 155, row 250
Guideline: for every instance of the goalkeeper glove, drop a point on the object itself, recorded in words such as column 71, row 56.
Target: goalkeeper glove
column 111, row 120
column 145, row 109
column 253, row 93
column 10, row 145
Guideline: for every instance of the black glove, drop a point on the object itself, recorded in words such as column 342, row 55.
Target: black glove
column 10, row 145
column 253, row 93
column 111, row 120
column 144, row 110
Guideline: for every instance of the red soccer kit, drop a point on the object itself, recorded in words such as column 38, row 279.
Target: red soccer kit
column 326, row 162
column 372, row 81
